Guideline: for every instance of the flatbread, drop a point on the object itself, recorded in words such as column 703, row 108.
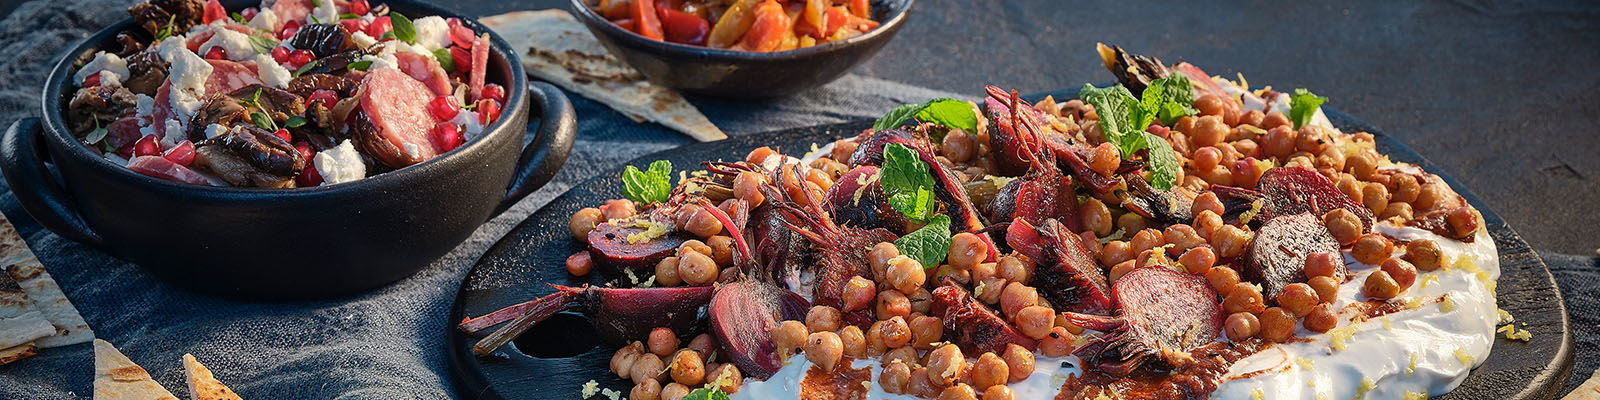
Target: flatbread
column 557, row 48
column 70, row 329
column 13, row 354
column 23, row 329
column 202, row 385
column 118, row 378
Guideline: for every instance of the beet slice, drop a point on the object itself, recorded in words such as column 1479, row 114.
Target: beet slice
column 1289, row 191
column 743, row 315
column 973, row 326
column 612, row 254
column 1162, row 314
column 857, row 199
column 1278, row 254
column 1066, row 275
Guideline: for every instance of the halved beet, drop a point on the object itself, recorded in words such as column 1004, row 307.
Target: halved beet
column 1289, row 191
column 1161, row 313
column 973, row 326
column 625, row 315
column 857, row 199
column 612, row 253
column 743, row 315
column 1277, row 256
column 1067, row 274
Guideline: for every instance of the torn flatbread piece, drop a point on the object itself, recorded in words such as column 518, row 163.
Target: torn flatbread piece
column 13, row 354
column 202, row 385
column 28, row 327
column 557, row 48
column 70, row 328
column 118, row 378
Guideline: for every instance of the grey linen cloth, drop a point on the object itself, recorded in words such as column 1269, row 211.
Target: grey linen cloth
column 384, row 344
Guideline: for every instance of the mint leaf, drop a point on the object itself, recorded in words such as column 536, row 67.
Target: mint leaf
column 306, row 68
column 1123, row 119
column 907, row 181
column 649, row 186
column 262, row 45
column 1161, row 161
column 712, row 393
column 445, row 60
column 97, row 134
column 1115, row 106
column 264, row 122
column 403, row 29
column 1177, row 95
column 359, row 65
column 295, row 122
column 1302, row 105
column 929, row 244
column 946, row 112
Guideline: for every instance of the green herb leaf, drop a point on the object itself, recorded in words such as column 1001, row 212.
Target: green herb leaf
column 403, row 29
column 908, row 182
column 295, row 122
column 1177, row 98
column 97, row 134
column 711, row 393
column 949, row 113
column 1161, row 161
column 261, row 44
column 445, row 60
column 314, row 18
column 649, row 186
column 929, row 244
column 237, row 17
column 1123, row 119
column 166, row 30
column 359, row 65
column 306, row 68
column 348, row 16
column 386, row 36
column 263, row 121
column 1115, row 106
column 1303, row 105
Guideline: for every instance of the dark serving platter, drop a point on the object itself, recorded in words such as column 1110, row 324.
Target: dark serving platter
column 556, row 358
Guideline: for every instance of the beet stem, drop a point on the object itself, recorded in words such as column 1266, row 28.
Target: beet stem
column 541, row 310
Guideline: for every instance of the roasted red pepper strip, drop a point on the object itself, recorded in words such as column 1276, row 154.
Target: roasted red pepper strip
column 645, row 19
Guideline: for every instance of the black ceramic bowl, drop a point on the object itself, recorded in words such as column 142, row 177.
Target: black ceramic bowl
column 743, row 74
column 284, row 244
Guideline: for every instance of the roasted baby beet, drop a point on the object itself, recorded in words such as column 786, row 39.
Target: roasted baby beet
column 1278, row 254
column 613, row 252
column 1161, row 315
column 619, row 315
column 1289, row 191
column 857, row 199
column 1067, row 275
column 973, row 326
column 742, row 314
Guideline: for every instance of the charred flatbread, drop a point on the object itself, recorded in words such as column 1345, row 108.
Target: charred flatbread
column 202, row 385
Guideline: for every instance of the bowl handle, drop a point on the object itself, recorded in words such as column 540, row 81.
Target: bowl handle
column 36, row 188
column 542, row 158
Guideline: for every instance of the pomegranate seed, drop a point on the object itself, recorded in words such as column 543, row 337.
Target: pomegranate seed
column 280, row 54
column 305, row 150
column 301, row 57
column 353, row 25
column 360, row 7
column 494, row 92
column 308, row 177
column 283, row 133
column 147, row 146
column 249, row 14
column 182, row 154
column 288, row 30
column 216, row 53
column 91, row 81
column 379, row 26
column 444, row 107
column 488, row 111
column 446, row 136
column 213, row 11
column 324, row 95
column 462, row 58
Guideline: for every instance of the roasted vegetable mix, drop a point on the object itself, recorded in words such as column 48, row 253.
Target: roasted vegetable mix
column 744, row 25
column 293, row 93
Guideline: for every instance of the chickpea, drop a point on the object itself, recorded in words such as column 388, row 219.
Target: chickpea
column 1312, row 139
column 1206, row 158
column 1432, row 195
column 853, row 340
column 728, row 375
column 622, row 360
column 697, row 269
column 1145, row 239
column 579, row 264
column 583, row 222
column 1372, row 248
column 1379, row 285
column 966, row 250
column 1327, row 288
column 921, row 301
column 1122, row 268
column 1230, row 241
column 944, row 364
column 1406, row 188
column 647, row 366
column 674, row 391
column 688, row 369
column 1020, row 360
column 1222, row 278
column 663, row 342
column 879, row 257
column 960, row 391
column 701, row 344
column 1096, row 217
column 693, row 245
column 984, row 271
column 992, row 289
column 1115, row 252
column 1244, row 297
column 1035, row 321
column 1130, row 222
column 999, row 392
column 721, row 250
column 1207, row 201
column 824, row 349
column 1277, row 324
column 1182, row 237
column 1016, row 296
column 989, row 371
column 1207, row 222
column 843, row 148
column 1298, row 298
column 1273, row 120
column 859, row 293
column 702, row 224
column 905, row 274
column 892, row 303
column 1362, row 164
column 649, row 389
column 1209, row 130
column 1350, row 187
column 893, row 378
column 875, row 345
column 1375, row 197
column 1344, row 225
column 1396, row 209
column 1013, row 268
column 1210, row 105
column 1058, row 343
column 747, row 187
column 820, row 178
column 1279, row 142
column 760, row 154
column 958, row 146
column 1331, row 158
column 617, row 209
column 789, row 336
column 1463, row 221
column 1198, row 260
column 1424, row 254
column 1322, row 318
column 1403, row 273
column 667, row 272
column 905, row 355
column 1105, row 159
column 823, row 318
column 1323, row 264
column 1240, row 326
column 925, row 331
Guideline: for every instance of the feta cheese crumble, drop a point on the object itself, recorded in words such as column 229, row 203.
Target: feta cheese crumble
column 271, row 73
column 340, row 164
column 433, row 32
column 102, row 61
column 235, row 44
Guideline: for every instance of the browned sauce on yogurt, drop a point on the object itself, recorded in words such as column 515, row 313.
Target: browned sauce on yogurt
column 1194, row 381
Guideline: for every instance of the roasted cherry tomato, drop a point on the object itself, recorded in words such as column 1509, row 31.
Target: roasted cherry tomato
column 686, row 28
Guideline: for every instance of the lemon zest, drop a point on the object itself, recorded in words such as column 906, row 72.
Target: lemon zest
column 1366, row 386
column 1464, row 357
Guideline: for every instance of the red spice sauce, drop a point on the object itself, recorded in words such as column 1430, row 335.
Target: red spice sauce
column 843, row 383
column 1194, row 381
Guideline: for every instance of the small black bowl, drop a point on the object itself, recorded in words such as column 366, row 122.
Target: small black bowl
column 743, row 74
column 284, row 244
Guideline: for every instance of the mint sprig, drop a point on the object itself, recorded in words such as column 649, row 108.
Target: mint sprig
column 1303, row 105
column 908, row 182
column 949, row 113
column 1123, row 119
column 403, row 29
column 929, row 244
column 652, row 185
